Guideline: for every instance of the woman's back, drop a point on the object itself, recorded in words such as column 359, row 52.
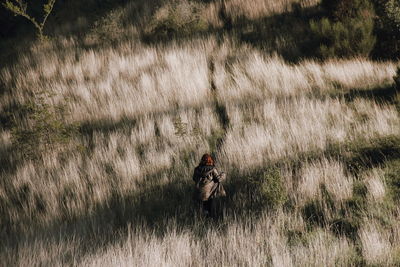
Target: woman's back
column 208, row 179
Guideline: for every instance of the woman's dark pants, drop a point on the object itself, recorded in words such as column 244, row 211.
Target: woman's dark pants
column 209, row 207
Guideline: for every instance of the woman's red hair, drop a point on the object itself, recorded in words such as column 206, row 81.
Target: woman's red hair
column 207, row 160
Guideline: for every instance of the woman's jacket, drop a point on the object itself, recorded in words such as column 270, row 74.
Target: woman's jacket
column 208, row 182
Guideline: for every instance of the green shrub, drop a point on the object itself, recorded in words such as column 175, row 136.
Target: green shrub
column 347, row 31
column 339, row 39
column 108, row 27
column 354, row 257
column 268, row 188
column 182, row 129
column 341, row 10
column 387, row 29
column 176, row 19
column 39, row 127
column 392, row 8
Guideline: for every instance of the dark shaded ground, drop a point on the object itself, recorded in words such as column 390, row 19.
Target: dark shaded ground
column 287, row 34
column 154, row 206
column 18, row 34
column 385, row 94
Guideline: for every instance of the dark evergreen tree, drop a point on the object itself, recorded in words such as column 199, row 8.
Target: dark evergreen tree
column 347, row 30
column 387, row 29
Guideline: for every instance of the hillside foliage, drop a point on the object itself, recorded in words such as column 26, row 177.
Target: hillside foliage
column 388, row 29
column 347, row 31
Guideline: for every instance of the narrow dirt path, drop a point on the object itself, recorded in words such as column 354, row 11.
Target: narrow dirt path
column 219, row 106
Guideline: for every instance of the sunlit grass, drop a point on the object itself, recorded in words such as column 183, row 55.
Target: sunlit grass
column 120, row 192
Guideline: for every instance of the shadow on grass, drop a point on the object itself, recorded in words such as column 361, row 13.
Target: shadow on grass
column 152, row 209
column 287, row 34
column 366, row 155
column 64, row 22
column 8, row 160
column 156, row 203
column 379, row 94
column 107, row 126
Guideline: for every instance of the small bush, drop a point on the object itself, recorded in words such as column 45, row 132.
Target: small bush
column 268, row 188
column 176, row 19
column 39, row 128
column 347, row 31
column 341, row 10
column 339, row 39
column 392, row 8
column 108, row 28
column 182, row 129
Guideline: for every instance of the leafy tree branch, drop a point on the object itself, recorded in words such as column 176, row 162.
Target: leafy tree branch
column 19, row 8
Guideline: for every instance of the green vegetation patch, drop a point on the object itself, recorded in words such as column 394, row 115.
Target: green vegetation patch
column 268, row 188
column 387, row 29
column 361, row 155
column 176, row 19
column 38, row 127
column 347, row 30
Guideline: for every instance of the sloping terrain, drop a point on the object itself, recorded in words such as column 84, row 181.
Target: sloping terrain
column 102, row 131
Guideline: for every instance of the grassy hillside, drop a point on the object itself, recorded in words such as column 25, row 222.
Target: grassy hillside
column 103, row 124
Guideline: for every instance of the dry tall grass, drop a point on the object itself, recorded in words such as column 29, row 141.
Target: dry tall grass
column 147, row 114
column 101, row 84
column 278, row 129
column 258, row 244
column 252, row 9
column 286, row 111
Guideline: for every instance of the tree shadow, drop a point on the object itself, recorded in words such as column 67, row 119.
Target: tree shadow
column 155, row 204
column 374, row 153
column 8, row 159
column 106, row 126
column 151, row 209
column 287, row 34
column 385, row 94
column 18, row 34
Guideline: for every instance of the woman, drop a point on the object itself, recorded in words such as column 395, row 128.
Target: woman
column 208, row 183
